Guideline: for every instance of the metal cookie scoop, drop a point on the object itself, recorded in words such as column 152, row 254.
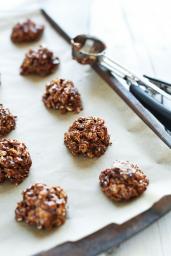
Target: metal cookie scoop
column 89, row 50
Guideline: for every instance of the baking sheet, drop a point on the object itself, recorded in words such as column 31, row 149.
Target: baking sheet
column 43, row 130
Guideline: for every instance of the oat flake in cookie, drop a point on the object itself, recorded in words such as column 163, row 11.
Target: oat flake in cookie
column 87, row 137
column 15, row 161
column 26, row 32
column 42, row 206
column 39, row 62
column 62, row 95
column 123, row 182
column 7, row 121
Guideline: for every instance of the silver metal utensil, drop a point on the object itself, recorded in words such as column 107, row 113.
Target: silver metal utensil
column 88, row 49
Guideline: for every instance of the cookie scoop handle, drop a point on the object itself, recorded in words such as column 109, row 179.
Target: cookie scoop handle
column 157, row 109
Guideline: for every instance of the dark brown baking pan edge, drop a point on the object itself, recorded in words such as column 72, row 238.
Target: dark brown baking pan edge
column 113, row 234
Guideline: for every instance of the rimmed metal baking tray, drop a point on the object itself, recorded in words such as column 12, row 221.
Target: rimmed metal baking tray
column 113, row 234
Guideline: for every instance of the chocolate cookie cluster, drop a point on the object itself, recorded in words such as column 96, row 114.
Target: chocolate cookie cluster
column 15, row 161
column 123, row 181
column 39, row 62
column 27, row 31
column 42, row 206
column 87, row 137
column 62, row 95
column 7, row 121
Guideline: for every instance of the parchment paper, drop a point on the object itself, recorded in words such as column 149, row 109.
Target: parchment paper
column 43, row 130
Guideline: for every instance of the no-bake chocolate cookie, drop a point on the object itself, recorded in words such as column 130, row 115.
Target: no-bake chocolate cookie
column 7, row 121
column 123, row 182
column 15, row 161
column 62, row 95
column 42, row 206
column 87, row 137
column 25, row 32
column 39, row 62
